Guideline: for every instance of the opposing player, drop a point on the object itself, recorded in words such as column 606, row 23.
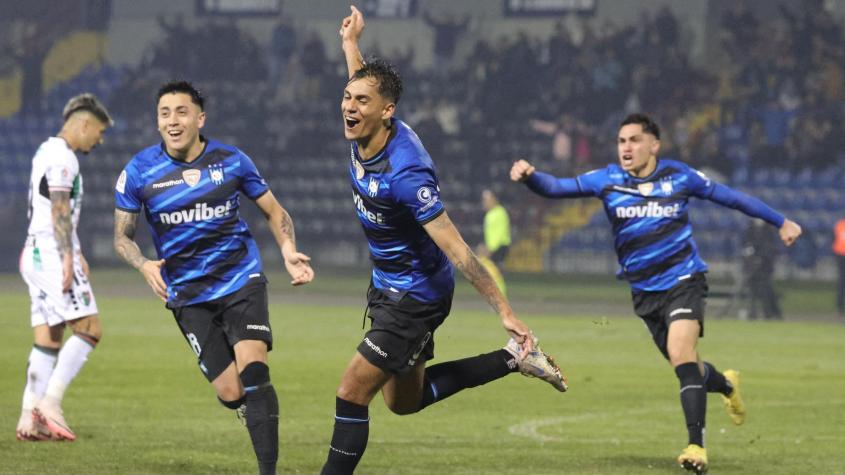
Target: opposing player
column 412, row 242
column 646, row 202
column 208, row 269
column 53, row 267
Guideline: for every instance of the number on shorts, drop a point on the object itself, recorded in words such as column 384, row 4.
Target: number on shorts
column 195, row 345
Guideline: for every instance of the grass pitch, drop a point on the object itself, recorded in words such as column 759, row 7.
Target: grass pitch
column 141, row 406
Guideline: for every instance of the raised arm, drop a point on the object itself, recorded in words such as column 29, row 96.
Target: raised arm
column 63, row 232
column 350, row 32
column 546, row 185
column 446, row 236
column 281, row 226
column 127, row 248
column 724, row 195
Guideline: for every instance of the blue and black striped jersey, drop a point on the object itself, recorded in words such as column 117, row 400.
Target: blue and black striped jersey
column 395, row 193
column 192, row 212
column 649, row 216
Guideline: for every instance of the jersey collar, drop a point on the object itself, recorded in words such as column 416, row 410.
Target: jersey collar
column 381, row 153
column 176, row 161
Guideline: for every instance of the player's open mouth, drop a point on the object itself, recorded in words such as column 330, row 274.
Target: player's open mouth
column 175, row 134
column 627, row 159
column 350, row 122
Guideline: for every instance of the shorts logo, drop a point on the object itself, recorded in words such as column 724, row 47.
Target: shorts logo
column 192, row 177
column 121, row 182
column 263, row 328
column 86, row 298
column 375, row 348
column 216, row 173
column 413, row 360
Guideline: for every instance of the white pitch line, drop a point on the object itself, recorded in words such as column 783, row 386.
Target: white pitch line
column 531, row 429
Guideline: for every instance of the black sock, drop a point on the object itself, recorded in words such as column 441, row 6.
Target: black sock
column 262, row 415
column 445, row 379
column 351, row 431
column 693, row 400
column 715, row 381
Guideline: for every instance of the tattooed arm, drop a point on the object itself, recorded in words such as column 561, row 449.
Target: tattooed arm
column 127, row 248
column 446, row 236
column 63, row 232
column 281, row 226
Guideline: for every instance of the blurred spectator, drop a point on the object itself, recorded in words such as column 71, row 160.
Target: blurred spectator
column 282, row 49
column 839, row 251
column 760, row 246
column 447, row 31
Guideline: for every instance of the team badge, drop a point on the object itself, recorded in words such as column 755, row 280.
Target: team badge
column 372, row 188
column 666, row 187
column 86, row 298
column 424, row 194
column 216, row 173
column 192, row 177
column 121, row 182
column 645, row 189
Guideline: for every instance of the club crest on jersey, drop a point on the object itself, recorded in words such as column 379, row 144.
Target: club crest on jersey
column 666, row 187
column 192, row 177
column 216, row 173
column 645, row 189
column 372, row 188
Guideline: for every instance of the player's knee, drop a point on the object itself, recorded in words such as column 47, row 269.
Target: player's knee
column 403, row 408
column 681, row 355
column 88, row 328
column 352, row 394
column 255, row 375
column 229, row 392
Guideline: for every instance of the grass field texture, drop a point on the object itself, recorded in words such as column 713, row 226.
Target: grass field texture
column 141, row 406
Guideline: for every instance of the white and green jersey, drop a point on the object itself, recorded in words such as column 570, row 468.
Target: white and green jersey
column 54, row 167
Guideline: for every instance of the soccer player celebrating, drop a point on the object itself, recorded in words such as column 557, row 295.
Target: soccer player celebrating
column 413, row 246
column 208, row 269
column 646, row 202
column 53, row 267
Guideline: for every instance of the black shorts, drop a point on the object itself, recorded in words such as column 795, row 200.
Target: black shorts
column 684, row 301
column 401, row 329
column 212, row 328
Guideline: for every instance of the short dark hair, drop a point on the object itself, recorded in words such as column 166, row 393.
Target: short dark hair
column 173, row 87
column 649, row 126
column 89, row 103
column 389, row 82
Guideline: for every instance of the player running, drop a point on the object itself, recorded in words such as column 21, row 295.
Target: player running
column 413, row 246
column 53, row 267
column 646, row 202
column 208, row 268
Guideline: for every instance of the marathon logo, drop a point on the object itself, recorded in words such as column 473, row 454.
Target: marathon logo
column 375, row 348
column 376, row 218
column 200, row 212
column 165, row 184
column 651, row 210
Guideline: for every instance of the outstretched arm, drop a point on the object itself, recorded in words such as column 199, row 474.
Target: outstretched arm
column 127, row 248
column 281, row 226
column 544, row 184
column 446, row 236
column 789, row 230
column 350, row 32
